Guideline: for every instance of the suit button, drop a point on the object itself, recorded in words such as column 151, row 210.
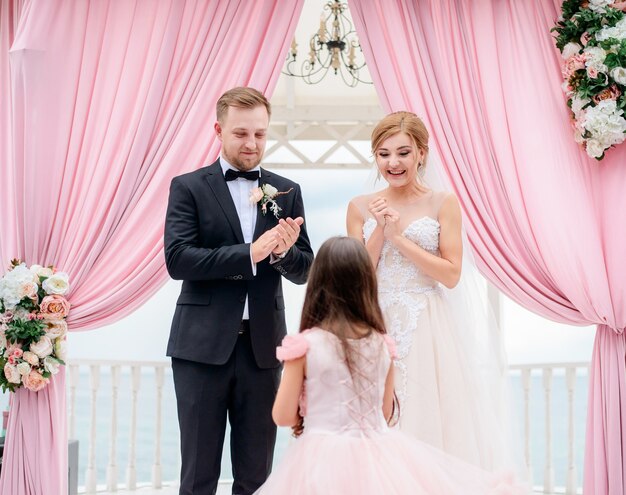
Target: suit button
column 242, row 299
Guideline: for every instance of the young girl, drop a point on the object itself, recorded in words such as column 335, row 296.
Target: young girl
column 341, row 360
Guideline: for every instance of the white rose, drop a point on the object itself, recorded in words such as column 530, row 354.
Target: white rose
column 594, row 148
column 51, row 365
column 43, row 347
column 578, row 137
column 269, row 190
column 41, row 271
column 57, row 284
column 570, row 50
column 619, row 74
column 60, row 349
column 578, row 104
column 31, row 358
column 599, row 5
column 617, row 32
column 23, row 368
column 56, row 329
column 594, row 54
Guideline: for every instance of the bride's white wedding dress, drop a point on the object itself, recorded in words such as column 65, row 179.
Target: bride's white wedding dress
column 442, row 398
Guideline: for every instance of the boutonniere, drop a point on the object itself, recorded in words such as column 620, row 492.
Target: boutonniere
column 266, row 195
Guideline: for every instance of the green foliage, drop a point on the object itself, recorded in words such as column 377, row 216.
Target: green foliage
column 26, row 331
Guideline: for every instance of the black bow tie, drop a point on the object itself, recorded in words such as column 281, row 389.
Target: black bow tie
column 236, row 174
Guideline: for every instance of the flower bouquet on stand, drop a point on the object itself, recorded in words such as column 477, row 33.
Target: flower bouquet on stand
column 33, row 329
column 591, row 35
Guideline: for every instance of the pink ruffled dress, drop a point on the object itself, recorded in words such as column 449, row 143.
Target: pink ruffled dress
column 347, row 447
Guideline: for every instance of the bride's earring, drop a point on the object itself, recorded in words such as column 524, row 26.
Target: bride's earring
column 421, row 169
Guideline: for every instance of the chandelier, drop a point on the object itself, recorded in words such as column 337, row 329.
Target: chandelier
column 331, row 48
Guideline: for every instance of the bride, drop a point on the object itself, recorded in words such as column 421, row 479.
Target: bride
column 413, row 236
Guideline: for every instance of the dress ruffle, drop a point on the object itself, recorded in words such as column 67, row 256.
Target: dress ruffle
column 391, row 345
column 293, row 347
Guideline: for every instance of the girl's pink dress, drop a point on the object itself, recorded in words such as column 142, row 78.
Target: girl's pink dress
column 347, row 447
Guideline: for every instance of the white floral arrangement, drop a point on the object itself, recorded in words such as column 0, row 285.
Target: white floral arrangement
column 33, row 329
column 266, row 196
column 591, row 35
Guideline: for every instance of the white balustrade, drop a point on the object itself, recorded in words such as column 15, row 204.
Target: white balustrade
column 548, row 371
column 133, row 372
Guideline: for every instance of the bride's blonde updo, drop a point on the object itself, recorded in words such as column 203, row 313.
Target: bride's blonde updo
column 405, row 122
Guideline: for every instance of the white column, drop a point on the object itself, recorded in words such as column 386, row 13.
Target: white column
column 131, row 472
column 91, row 477
column 548, row 478
column 73, row 383
column 157, row 473
column 572, row 483
column 112, row 467
column 526, row 374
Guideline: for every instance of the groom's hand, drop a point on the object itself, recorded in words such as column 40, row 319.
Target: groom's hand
column 288, row 230
column 264, row 245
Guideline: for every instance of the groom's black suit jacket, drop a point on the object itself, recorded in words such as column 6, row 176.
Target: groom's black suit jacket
column 204, row 247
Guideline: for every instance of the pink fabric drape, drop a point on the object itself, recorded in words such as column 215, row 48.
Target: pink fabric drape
column 107, row 101
column 546, row 223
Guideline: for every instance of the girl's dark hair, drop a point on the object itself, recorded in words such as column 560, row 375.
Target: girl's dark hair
column 342, row 293
column 342, row 296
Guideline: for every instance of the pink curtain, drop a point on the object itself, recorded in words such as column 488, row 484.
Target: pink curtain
column 107, row 101
column 546, row 223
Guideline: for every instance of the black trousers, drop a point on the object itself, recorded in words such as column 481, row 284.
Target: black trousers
column 205, row 395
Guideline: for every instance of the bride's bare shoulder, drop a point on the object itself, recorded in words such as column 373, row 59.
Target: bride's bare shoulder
column 363, row 200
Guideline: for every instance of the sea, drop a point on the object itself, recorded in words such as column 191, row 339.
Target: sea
column 146, row 434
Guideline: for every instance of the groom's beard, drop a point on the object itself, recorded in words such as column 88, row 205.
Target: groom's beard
column 245, row 161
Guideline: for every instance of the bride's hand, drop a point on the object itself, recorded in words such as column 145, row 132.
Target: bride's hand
column 379, row 209
column 392, row 219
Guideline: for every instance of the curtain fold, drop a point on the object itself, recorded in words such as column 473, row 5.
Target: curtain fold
column 105, row 102
column 545, row 222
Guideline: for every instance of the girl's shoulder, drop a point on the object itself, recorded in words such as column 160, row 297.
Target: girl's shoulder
column 297, row 345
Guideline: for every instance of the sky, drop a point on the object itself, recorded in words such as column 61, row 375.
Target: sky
column 142, row 336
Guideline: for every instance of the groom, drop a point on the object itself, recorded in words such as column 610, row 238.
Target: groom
column 230, row 315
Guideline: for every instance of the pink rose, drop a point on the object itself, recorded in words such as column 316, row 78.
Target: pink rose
column 572, row 64
column 34, row 381
column 54, row 307
column 31, row 358
column 256, row 195
column 592, row 72
column 11, row 349
column 619, row 5
column 12, row 374
column 611, row 93
column 29, row 290
column 11, row 359
column 17, row 353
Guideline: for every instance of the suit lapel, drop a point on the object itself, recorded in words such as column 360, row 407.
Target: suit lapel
column 262, row 221
column 217, row 183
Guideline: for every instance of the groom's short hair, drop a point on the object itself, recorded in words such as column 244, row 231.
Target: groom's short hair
column 241, row 97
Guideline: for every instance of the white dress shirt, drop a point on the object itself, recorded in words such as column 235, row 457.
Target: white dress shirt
column 240, row 189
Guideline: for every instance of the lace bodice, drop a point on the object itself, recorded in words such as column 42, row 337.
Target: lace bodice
column 402, row 288
column 338, row 401
column 395, row 272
